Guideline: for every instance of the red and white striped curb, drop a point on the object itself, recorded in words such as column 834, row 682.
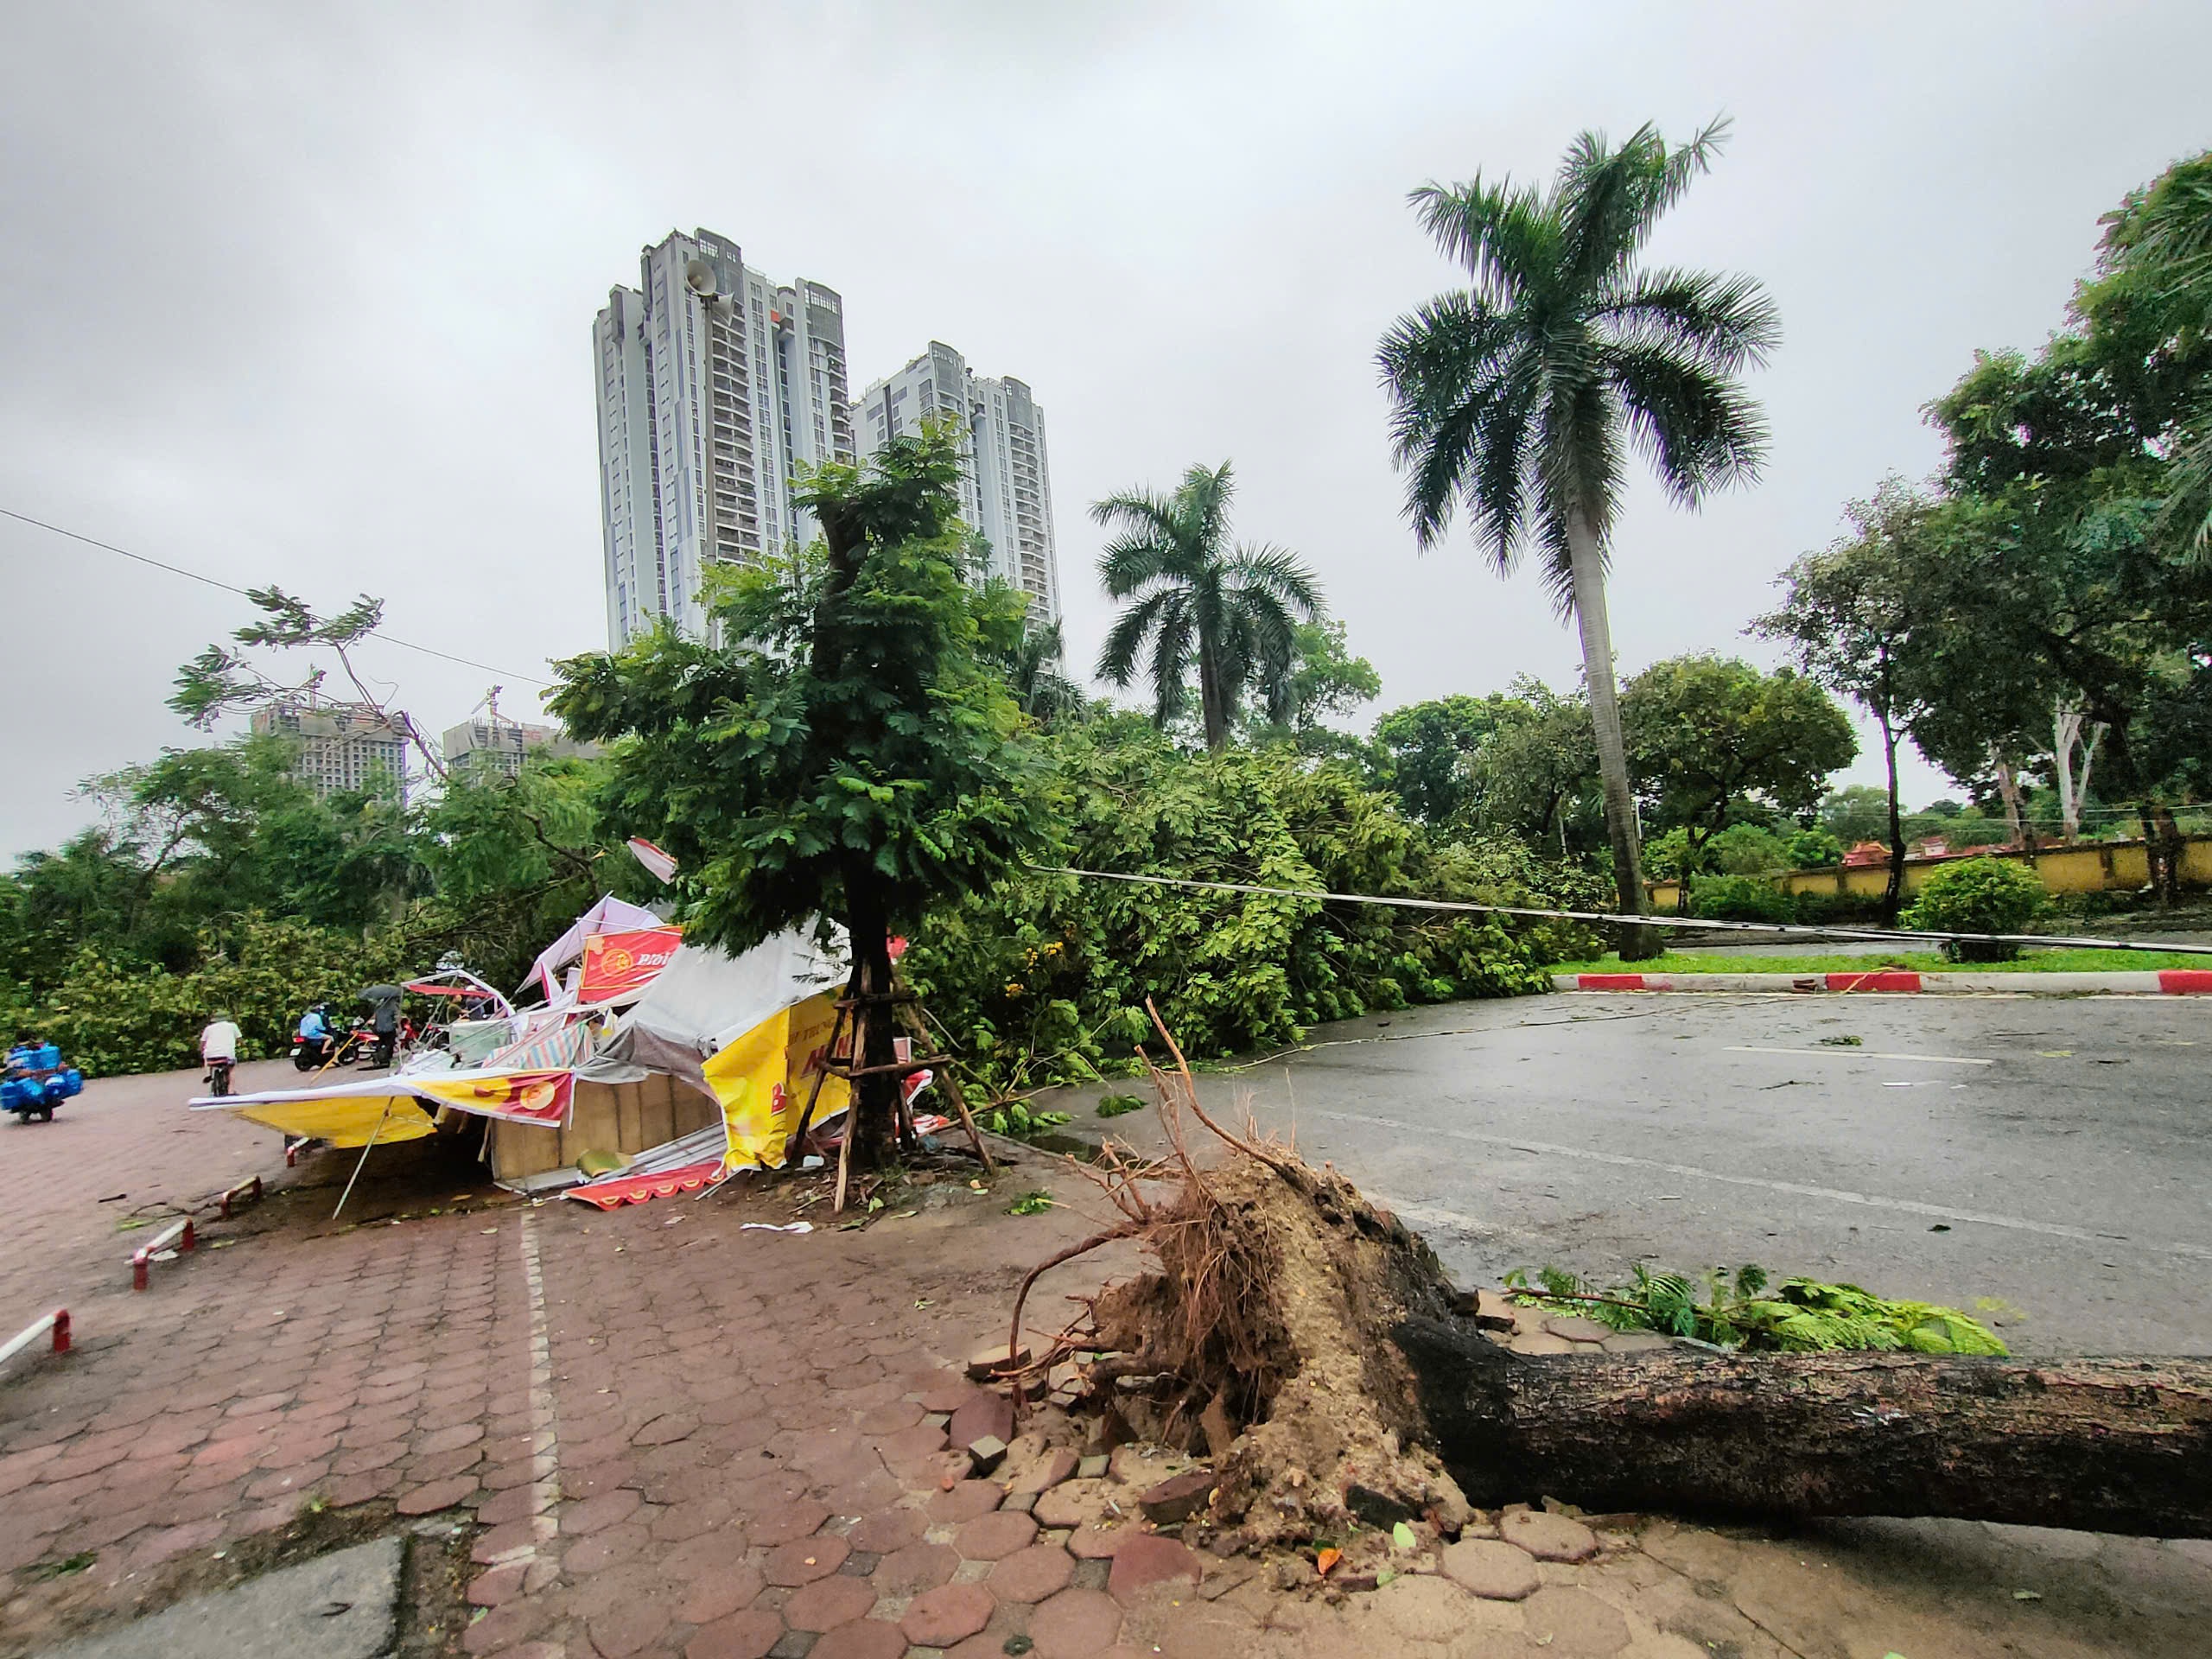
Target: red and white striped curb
column 2171, row 981
column 178, row 1235
column 54, row 1326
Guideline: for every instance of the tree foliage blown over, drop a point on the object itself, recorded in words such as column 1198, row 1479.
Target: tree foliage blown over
column 1043, row 977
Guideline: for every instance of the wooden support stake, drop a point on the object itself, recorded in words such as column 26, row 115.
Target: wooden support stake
column 945, row 1081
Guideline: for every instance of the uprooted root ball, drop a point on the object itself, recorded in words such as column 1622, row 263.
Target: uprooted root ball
column 1278, row 1284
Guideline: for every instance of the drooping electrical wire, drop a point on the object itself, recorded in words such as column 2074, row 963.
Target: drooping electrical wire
column 194, row 575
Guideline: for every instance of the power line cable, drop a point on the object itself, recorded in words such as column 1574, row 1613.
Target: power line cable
column 194, row 575
column 1901, row 935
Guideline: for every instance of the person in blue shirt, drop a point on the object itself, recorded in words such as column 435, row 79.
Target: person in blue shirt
column 311, row 1025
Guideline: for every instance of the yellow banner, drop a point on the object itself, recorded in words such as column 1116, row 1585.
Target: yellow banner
column 762, row 1080
column 346, row 1121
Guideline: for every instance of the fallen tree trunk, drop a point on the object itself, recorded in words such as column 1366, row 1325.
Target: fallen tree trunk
column 1315, row 1343
column 2102, row 1445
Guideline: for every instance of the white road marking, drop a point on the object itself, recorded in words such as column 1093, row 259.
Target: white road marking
column 1836, row 1195
column 1845, row 1051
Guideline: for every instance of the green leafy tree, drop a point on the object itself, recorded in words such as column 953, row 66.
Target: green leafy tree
column 1714, row 741
column 1042, row 978
column 1854, row 813
column 1519, row 395
column 2071, row 559
column 1748, row 849
column 517, row 858
column 1223, row 614
column 847, row 750
column 1848, row 615
column 2152, row 300
column 1536, row 775
column 1812, row 850
column 1430, row 748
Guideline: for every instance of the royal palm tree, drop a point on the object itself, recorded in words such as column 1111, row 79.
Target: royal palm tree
column 1035, row 672
column 1227, row 612
column 1518, row 396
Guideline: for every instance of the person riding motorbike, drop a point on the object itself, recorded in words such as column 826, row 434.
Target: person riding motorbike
column 219, row 1051
column 313, row 1038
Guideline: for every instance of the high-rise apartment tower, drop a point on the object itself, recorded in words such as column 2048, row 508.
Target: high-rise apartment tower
column 1007, row 486
column 339, row 746
column 715, row 384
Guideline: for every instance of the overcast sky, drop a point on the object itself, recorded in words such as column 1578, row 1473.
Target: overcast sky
column 303, row 294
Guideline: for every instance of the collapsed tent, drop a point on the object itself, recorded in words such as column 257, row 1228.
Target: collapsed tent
column 709, row 1071
column 747, row 1034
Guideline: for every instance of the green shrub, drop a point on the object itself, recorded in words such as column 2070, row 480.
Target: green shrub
column 1741, row 898
column 1747, row 850
column 1979, row 895
column 111, row 1018
column 1813, row 849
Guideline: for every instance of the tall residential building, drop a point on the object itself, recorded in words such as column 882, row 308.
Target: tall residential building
column 715, row 383
column 1007, row 492
column 491, row 744
column 342, row 746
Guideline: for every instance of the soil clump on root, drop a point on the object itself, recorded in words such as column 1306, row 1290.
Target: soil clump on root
column 1262, row 1341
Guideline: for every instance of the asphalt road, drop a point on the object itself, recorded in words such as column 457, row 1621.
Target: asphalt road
column 2054, row 1154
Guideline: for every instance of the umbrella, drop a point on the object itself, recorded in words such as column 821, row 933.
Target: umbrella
column 382, row 994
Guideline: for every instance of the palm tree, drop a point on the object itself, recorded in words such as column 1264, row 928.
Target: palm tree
column 1035, row 671
column 1519, row 395
column 1229, row 612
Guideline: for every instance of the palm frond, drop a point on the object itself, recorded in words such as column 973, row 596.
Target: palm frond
column 1172, row 654
column 1506, row 237
column 1460, row 380
column 1129, row 561
column 1726, row 323
column 1699, row 431
column 1277, row 573
column 1117, row 658
column 1204, row 499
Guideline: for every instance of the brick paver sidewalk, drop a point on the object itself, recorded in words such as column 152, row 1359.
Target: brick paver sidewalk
column 684, row 1436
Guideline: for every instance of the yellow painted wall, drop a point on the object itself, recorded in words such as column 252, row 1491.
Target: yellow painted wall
column 2063, row 869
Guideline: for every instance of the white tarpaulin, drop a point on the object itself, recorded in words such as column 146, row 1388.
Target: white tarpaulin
column 609, row 915
column 704, row 1000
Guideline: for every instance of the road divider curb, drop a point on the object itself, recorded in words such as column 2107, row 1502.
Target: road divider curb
column 2182, row 981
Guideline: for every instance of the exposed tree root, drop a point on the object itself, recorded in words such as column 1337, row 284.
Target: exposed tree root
column 1313, row 1346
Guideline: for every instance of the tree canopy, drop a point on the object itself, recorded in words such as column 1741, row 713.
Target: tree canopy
column 845, row 749
column 1713, row 739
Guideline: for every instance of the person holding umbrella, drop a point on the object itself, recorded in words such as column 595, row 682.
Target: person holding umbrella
column 384, row 1021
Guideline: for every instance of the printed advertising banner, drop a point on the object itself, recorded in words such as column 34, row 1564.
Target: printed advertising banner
column 622, row 964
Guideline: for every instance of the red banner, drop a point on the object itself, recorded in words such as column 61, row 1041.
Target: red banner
column 622, row 964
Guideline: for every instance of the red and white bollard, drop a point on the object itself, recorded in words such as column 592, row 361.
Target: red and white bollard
column 56, row 1323
column 246, row 1192
column 178, row 1233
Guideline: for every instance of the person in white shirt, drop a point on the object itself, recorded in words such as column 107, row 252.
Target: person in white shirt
column 220, row 1040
